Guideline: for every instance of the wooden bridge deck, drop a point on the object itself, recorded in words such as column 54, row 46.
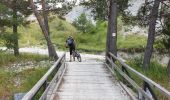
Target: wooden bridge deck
column 93, row 80
column 88, row 81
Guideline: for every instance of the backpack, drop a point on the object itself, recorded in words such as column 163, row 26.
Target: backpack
column 69, row 41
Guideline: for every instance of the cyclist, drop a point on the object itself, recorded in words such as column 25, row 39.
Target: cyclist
column 71, row 44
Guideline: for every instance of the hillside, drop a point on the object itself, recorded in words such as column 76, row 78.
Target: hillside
column 94, row 41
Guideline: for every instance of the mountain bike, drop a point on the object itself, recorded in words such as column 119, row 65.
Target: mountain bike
column 76, row 54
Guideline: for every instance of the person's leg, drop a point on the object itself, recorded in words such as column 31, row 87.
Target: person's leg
column 70, row 54
column 73, row 49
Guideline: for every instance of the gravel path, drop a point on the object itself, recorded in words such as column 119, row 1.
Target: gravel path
column 85, row 57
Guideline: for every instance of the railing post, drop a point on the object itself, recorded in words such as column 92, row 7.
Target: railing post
column 127, row 73
column 146, row 86
column 140, row 96
column 107, row 55
column 45, row 85
column 123, row 70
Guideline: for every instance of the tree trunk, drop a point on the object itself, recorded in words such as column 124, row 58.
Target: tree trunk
column 151, row 34
column 112, row 29
column 168, row 68
column 45, row 13
column 15, row 31
column 45, row 32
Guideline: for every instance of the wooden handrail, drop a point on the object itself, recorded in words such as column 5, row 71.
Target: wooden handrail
column 127, row 78
column 56, row 78
column 141, row 76
column 39, row 84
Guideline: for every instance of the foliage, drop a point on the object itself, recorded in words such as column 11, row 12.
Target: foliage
column 7, row 58
column 166, row 32
column 159, row 45
column 131, row 41
column 66, row 7
column 5, row 13
column 143, row 14
column 9, row 40
column 26, row 78
column 14, row 15
column 100, row 7
column 82, row 24
column 94, row 41
column 21, row 8
column 166, row 39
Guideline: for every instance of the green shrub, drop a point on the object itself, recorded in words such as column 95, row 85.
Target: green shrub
column 83, row 24
column 26, row 78
column 8, row 58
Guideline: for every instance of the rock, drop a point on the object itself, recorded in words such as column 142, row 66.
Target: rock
column 164, row 60
column 18, row 96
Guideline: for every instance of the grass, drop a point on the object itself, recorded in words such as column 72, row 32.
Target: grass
column 31, row 35
column 131, row 41
column 156, row 72
column 93, row 41
column 27, row 78
column 8, row 58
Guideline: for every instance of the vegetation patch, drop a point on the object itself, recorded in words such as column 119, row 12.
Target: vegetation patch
column 7, row 58
column 93, row 40
column 20, row 81
column 156, row 72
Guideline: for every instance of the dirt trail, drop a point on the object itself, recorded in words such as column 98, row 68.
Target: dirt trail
column 85, row 57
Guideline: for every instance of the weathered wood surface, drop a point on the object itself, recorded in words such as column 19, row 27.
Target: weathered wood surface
column 30, row 95
column 89, row 81
column 143, row 77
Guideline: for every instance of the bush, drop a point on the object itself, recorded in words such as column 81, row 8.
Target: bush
column 82, row 24
column 9, row 40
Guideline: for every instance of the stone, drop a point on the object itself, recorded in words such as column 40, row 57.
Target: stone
column 18, row 96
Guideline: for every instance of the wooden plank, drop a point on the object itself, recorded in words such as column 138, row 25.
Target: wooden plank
column 84, row 85
column 84, row 97
column 86, row 79
column 91, row 94
column 88, row 86
column 87, row 74
column 87, row 68
column 57, row 85
column 85, row 63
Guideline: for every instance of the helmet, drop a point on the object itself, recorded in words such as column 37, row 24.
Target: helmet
column 70, row 37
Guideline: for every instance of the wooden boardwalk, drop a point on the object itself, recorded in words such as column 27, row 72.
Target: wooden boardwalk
column 88, row 81
column 93, row 80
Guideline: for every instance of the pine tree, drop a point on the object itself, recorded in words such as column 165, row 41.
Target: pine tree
column 18, row 10
column 151, row 34
column 166, row 39
column 44, row 29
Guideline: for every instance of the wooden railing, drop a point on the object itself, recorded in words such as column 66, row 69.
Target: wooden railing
column 43, row 81
column 148, row 84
